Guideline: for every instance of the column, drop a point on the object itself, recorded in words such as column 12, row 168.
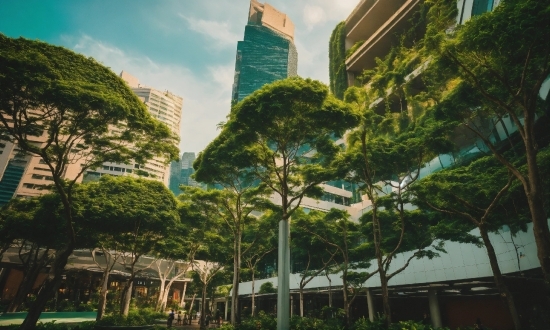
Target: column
column 370, row 305
column 434, row 308
column 226, row 308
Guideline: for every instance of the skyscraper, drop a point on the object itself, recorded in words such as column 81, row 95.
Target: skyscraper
column 267, row 52
column 180, row 173
column 164, row 106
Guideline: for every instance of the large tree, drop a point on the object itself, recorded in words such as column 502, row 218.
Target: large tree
column 386, row 153
column 494, row 66
column 141, row 212
column 68, row 109
column 283, row 133
column 335, row 243
column 480, row 195
column 233, row 204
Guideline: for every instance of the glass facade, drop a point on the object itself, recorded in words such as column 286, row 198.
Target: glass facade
column 263, row 56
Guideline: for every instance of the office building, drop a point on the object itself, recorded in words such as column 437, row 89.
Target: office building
column 164, row 106
column 180, row 173
column 267, row 52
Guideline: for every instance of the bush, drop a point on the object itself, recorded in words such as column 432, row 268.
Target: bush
column 262, row 321
column 310, row 323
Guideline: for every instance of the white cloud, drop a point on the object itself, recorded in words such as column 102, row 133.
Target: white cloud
column 220, row 32
column 313, row 16
column 206, row 99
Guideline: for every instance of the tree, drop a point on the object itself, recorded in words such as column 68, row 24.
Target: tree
column 176, row 254
column 273, row 133
column 312, row 250
column 211, row 238
column 345, row 253
column 234, row 205
column 259, row 240
column 141, row 212
column 385, row 154
column 484, row 202
column 497, row 63
column 34, row 227
column 68, row 109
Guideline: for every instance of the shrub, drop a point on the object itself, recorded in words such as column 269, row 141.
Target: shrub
column 262, row 321
column 310, row 323
column 267, row 287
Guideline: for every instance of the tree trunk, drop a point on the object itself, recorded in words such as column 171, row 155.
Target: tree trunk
column 236, row 277
column 191, row 306
column 182, row 302
column 103, row 295
column 160, row 298
column 49, row 288
column 126, row 297
column 499, row 279
column 203, row 307
column 345, row 296
column 253, row 296
column 24, row 288
column 385, row 296
column 302, row 301
column 329, row 290
column 534, row 192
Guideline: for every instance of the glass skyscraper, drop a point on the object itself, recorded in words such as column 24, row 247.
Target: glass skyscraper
column 267, row 52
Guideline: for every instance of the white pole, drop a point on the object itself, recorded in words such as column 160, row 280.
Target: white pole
column 283, row 277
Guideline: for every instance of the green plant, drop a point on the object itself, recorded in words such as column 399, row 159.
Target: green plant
column 267, row 287
column 310, row 323
column 262, row 321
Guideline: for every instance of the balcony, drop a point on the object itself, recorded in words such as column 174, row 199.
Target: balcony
column 378, row 26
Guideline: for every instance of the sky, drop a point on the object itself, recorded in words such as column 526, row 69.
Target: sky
column 184, row 46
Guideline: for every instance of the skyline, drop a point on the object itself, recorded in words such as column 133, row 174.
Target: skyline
column 185, row 47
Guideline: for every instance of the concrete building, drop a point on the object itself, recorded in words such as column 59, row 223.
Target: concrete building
column 164, row 106
column 23, row 175
column 267, row 52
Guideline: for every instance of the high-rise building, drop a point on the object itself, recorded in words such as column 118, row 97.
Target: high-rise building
column 180, row 173
column 164, row 106
column 267, row 52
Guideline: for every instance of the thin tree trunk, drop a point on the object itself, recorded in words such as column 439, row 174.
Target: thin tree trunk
column 203, row 307
column 103, row 295
column 126, row 297
column 301, row 301
column 24, row 288
column 329, row 290
column 182, row 302
column 191, row 306
column 345, row 296
column 160, row 298
column 385, row 296
column 49, row 288
column 499, row 279
column 236, row 277
column 253, row 296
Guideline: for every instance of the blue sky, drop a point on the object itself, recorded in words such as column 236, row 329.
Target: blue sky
column 184, row 46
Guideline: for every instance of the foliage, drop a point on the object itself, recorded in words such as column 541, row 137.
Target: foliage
column 267, row 287
column 497, row 71
column 262, row 321
column 353, row 48
column 337, row 61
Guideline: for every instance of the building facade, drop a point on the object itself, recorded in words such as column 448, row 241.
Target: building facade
column 180, row 173
column 267, row 52
column 164, row 106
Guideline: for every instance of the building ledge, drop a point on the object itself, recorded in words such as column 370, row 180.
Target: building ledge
column 382, row 40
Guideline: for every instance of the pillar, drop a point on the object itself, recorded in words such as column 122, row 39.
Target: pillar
column 283, row 276
column 226, row 307
column 370, row 305
column 434, row 308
